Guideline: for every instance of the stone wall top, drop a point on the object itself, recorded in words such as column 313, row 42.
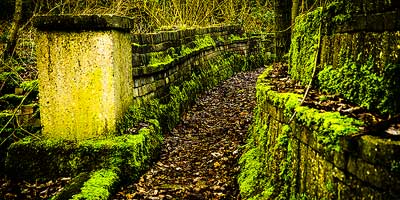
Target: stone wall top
column 376, row 22
column 82, row 22
column 173, row 35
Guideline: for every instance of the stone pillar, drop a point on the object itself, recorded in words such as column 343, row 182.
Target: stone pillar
column 85, row 74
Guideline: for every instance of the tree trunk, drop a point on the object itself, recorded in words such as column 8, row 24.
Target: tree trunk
column 12, row 37
column 282, row 26
column 295, row 10
column 302, row 8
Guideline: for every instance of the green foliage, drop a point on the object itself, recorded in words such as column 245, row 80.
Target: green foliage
column 16, row 74
column 361, row 84
column 170, row 14
column 30, row 85
column 339, row 11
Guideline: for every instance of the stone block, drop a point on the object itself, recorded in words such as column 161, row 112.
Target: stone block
column 79, row 97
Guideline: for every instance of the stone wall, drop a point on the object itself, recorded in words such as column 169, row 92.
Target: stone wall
column 358, row 52
column 354, row 47
column 319, row 155
column 168, row 58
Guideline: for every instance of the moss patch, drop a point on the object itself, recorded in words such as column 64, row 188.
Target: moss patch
column 99, row 186
column 305, row 36
column 364, row 85
column 361, row 66
column 31, row 159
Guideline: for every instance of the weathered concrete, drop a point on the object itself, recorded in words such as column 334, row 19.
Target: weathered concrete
column 85, row 77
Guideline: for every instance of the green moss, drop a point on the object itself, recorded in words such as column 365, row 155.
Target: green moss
column 72, row 188
column 29, row 158
column 364, row 85
column 31, row 85
column 12, row 98
column 203, row 41
column 305, row 36
column 5, row 116
column 168, row 56
column 270, row 143
column 327, row 127
column 233, row 38
column 99, row 186
column 159, row 58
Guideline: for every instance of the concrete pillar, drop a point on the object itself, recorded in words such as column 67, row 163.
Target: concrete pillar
column 85, row 74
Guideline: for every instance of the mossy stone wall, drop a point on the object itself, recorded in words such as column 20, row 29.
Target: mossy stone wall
column 319, row 155
column 359, row 52
column 168, row 58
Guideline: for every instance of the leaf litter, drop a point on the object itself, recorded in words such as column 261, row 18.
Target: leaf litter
column 199, row 156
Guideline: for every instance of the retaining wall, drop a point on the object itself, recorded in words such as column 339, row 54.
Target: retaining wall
column 168, row 58
column 319, row 155
column 358, row 52
column 355, row 48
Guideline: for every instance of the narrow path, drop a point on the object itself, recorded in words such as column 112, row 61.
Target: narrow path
column 199, row 157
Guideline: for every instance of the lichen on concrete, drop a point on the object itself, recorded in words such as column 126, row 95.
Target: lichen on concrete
column 80, row 97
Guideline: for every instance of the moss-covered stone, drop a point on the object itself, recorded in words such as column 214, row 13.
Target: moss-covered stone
column 100, row 185
column 73, row 188
column 304, row 45
column 85, row 82
column 272, row 148
column 363, row 85
column 356, row 59
column 31, row 159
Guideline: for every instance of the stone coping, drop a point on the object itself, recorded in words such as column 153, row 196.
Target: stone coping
column 82, row 22
column 150, row 69
column 379, row 22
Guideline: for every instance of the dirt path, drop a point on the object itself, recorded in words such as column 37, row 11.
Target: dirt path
column 199, row 157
